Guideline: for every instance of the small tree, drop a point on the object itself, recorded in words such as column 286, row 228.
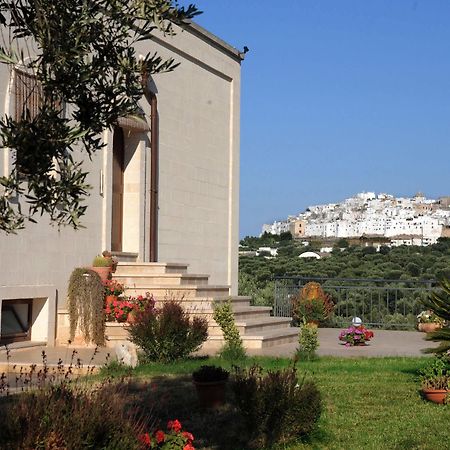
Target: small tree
column 85, row 76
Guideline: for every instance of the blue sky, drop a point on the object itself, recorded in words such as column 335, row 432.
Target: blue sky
column 338, row 97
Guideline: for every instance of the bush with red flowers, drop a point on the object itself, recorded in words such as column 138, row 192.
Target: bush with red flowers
column 355, row 335
column 113, row 287
column 118, row 310
column 173, row 439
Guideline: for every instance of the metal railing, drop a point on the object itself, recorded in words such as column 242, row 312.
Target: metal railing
column 382, row 303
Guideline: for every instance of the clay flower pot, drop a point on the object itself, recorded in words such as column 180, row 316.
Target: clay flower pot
column 435, row 395
column 429, row 327
column 110, row 299
column 211, row 394
column 103, row 272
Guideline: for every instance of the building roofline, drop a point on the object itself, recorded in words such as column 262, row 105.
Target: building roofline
column 207, row 36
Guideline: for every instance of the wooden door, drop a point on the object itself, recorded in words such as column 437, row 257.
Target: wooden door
column 117, row 190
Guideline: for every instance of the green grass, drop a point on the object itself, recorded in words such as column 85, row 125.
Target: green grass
column 371, row 403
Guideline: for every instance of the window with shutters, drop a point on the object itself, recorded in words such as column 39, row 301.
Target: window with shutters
column 27, row 102
column 27, row 95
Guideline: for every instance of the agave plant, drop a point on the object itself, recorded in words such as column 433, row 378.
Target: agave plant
column 439, row 302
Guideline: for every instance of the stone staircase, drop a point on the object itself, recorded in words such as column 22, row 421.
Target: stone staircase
column 172, row 281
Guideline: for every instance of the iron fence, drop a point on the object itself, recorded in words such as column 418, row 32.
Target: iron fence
column 382, row 303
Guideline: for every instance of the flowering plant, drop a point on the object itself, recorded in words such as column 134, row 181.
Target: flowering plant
column 358, row 335
column 118, row 310
column 173, row 439
column 112, row 287
column 429, row 317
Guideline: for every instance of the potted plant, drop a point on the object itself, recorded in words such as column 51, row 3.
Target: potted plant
column 118, row 310
column 435, row 379
column 103, row 266
column 312, row 305
column 210, row 382
column 113, row 290
column 356, row 334
column 428, row 321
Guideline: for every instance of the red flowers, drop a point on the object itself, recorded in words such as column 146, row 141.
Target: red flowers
column 145, row 439
column 173, row 439
column 174, row 425
column 159, row 436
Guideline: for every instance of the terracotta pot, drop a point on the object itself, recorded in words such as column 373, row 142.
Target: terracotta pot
column 429, row 327
column 103, row 272
column 110, row 299
column 131, row 318
column 313, row 323
column 435, row 395
column 210, row 394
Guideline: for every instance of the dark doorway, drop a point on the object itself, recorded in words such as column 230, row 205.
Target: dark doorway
column 16, row 320
column 117, row 189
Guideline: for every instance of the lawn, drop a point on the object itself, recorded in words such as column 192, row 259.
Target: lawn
column 371, row 403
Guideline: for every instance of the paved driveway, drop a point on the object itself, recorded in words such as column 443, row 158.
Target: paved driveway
column 385, row 343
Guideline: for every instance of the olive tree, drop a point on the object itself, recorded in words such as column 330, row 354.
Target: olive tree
column 87, row 74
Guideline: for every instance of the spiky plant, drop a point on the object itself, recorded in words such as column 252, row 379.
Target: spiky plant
column 439, row 302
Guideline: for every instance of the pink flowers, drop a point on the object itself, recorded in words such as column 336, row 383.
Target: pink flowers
column 174, row 439
column 355, row 335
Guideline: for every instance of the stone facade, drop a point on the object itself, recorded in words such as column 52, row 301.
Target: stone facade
column 198, row 181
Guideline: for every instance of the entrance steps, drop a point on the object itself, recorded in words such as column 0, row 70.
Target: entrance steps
column 167, row 281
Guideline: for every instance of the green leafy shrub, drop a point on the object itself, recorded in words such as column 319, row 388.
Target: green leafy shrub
column 277, row 408
column 210, row 373
column 85, row 305
column 64, row 417
column 436, row 374
column 439, row 302
column 168, row 333
column 308, row 341
column 233, row 349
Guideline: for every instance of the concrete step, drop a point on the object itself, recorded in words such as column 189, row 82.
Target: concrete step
column 259, row 325
column 133, row 268
column 256, row 340
column 204, row 304
column 181, row 293
column 138, row 280
column 241, row 314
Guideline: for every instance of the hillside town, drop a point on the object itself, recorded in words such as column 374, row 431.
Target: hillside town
column 401, row 221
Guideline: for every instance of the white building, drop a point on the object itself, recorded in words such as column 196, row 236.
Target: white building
column 192, row 127
column 376, row 215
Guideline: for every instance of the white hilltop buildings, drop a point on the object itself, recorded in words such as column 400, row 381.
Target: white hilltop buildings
column 405, row 221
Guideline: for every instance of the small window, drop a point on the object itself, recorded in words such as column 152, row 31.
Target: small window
column 27, row 95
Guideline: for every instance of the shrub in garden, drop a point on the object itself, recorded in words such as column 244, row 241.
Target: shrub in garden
column 64, row 417
column 308, row 341
column 312, row 304
column 233, row 350
column 167, row 333
column 276, row 406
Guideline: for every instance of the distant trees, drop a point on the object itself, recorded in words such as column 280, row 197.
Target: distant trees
column 398, row 263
